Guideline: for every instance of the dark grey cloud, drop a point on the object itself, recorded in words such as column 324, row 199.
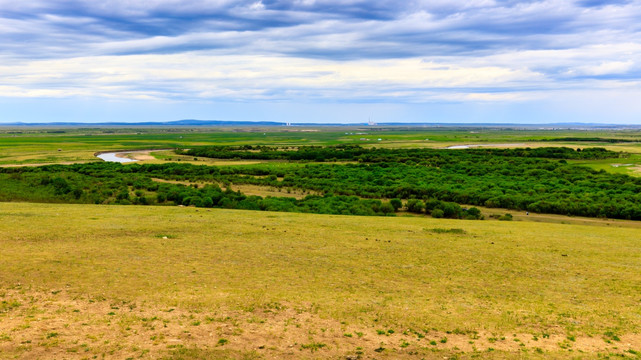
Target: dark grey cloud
column 457, row 48
column 376, row 29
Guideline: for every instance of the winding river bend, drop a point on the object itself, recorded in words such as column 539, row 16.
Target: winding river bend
column 121, row 156
column 483, row 145
column 112, row 157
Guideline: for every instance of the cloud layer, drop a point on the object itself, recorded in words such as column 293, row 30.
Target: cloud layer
column 319, row 51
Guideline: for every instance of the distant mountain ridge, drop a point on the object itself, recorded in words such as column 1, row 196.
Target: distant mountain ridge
column 186, row 122
column 196, row 123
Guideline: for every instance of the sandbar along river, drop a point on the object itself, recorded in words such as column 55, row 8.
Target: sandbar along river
column 111, row 156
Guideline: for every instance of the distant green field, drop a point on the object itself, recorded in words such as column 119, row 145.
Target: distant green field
column 78, row 146
column 630, row 165
column 85, row 281
column 179, row 282
column 20, row 146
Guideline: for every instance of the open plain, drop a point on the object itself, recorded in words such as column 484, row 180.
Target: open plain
column 85, row 281
column 93, row 281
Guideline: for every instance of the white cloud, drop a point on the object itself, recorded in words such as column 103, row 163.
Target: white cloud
column 258, row 5
column 317, row 50
column 605, row 68
column 567, row 63
column 199, row 75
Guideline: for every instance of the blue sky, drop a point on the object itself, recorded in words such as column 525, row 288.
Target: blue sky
column 498, row 61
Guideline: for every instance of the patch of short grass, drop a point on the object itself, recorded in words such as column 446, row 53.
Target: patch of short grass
column 447, row 231
column 325, row 265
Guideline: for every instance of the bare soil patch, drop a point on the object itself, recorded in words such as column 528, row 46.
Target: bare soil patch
column 140, row 156
column 44, row 164
column 247, row 189
column 59, row 324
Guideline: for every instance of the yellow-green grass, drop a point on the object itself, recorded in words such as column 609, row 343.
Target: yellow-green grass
column 302, row 285
column 43, row 146
column 24, row 146
column 487, row 143
column 171, row 156
column 630, row 165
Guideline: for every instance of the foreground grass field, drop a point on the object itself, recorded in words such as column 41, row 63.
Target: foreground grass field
column 84, row 281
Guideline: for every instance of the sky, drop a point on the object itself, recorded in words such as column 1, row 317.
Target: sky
column 493, row 61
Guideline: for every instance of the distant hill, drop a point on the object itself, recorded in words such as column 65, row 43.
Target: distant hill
column 213, row 123
column 186, row 122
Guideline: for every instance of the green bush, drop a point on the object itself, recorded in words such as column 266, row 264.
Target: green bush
column 506, row 217
column 387, row 208
column 415, row 206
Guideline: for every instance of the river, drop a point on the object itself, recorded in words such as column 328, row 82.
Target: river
column 112, row 157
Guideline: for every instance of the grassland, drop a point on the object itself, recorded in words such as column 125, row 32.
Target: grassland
column 629, row 166
column 125, row 282
column 28, row 146
column 84, row 281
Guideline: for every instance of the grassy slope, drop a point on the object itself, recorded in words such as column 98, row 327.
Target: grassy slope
column 81, row 280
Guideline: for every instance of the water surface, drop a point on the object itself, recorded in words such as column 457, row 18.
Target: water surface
column 113, row 158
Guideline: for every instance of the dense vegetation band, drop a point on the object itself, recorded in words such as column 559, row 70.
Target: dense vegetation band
column 430, row 181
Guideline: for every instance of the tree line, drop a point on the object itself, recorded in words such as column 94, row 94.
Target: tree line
column 441, row 183
column 369, row 155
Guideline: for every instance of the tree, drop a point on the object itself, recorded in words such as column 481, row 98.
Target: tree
column 431, row 205
column 208, row 202
column 396, row 203
column 476, row 213
column 450, row 209
column 387, row 208
column 415, row 206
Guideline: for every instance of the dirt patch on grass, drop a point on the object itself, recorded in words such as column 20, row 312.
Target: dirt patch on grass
column 59, row 324
column 181, row 182
column 248, row 190
column 45, row 164
column 264, row 191
column 522, row 215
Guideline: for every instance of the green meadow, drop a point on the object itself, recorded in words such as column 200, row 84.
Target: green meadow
column 28, row 146
column 85, row 281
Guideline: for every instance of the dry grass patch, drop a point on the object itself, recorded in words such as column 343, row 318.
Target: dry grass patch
column 240, row 284
column 63, row 325
column 247, row 189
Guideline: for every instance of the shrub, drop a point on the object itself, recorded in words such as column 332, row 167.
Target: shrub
column 447, row 231
column 450, row 209
column 474, row 212
column 208, row 202
column 506, row 217
column 415, row 206
column 387, row 208
column 431, row 205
